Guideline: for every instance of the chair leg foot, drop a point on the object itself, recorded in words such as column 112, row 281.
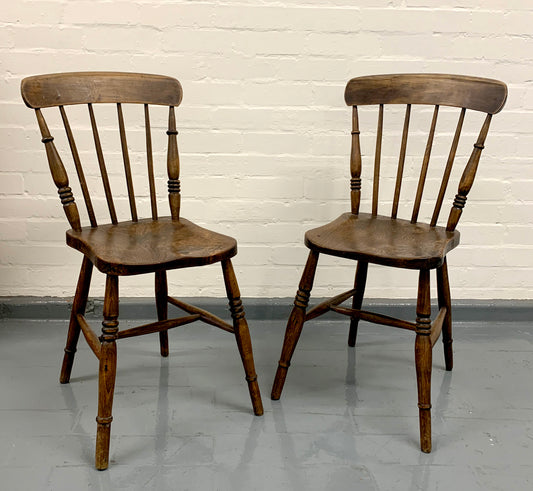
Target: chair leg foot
column 295, row 324
column 242, row 335
column 448, row 355
column 279, row 381
column 163, row 343
column 423, row 375
column 78, row 307
column 107, row 373
column 425, row 429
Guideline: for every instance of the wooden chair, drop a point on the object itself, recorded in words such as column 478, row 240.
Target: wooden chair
column 136, row 246
column 389, row 240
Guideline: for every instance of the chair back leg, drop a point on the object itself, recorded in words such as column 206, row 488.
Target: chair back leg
column 161, row 303
column 78, row 307
column 242, row 335
column 107, row 372
column 443, row 290
column 357, row 301
column 295, row 323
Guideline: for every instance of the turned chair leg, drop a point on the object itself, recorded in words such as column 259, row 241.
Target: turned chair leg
column 423, row 359
column 242, row 335
column 359, row 285
column 443, row 289
column 107, row 372
column 295, row 324
column 161, row 295
column 78, row 307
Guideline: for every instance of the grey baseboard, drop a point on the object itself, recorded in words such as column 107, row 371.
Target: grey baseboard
column 42, row 308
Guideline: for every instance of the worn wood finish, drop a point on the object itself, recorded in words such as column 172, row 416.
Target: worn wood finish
column 103, row 168
column 127, row 165
column 467, row 179
column 377, row 162
column 161, row 303
column 136, row 246
column 479, row 94
column 59, row 174
column 107, row 372
column 326, row 305
column 205, row 316
column 375, row 318
column 423, row 359
column 436, row 326
column 401, row 162
column 295, row 324
column 173, row 167
column 242, row 334
column 448, row 169
column 393, row 241
column 357, row 300
column 79, row 167
column 424, row 169
column 443, row 292
column 355, row 164
column 90, row 336
column 63, row 89
column 78, row 308
column 161, row 326
column 380, row 240
column 150, row 161
column 149, row 245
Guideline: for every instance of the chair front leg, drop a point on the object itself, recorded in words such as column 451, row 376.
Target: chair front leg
column 295, row 324
column 359, row 285
column 242, row 335
column 161, row 294
column 423, row 359
column 78, row 307
column 107, row 372
column 443, row 289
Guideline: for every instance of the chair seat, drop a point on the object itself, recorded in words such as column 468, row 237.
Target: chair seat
column 382, row 240
column 129, row 248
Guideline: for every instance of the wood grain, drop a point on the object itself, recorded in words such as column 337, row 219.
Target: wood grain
column 479, row 94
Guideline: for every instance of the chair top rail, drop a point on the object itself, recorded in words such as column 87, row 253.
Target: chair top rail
column 61, row 89
column 479, row 94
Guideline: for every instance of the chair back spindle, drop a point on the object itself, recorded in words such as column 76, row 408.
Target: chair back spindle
column 448, row 169
column 424, row 169
column 127, row 165
column 59, row 174
column 79, row 168
column 173, row 167
column 150, row 162
column 377, row 162
column 355, row 164
column 103, row 169
column 467, row 179
column 401, row 162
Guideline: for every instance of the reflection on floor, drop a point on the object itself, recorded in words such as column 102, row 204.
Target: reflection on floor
column 347, row 418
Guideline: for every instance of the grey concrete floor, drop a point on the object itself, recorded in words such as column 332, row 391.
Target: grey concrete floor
column 347, row 418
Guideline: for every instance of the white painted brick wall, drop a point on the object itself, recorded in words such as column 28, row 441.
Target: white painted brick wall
column 264, row 132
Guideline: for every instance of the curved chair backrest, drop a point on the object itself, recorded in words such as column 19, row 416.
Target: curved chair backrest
column 466, row 93
column 89, row 88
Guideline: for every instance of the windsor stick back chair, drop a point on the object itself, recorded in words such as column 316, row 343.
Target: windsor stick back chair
column 130, row 246
column 388, row 240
